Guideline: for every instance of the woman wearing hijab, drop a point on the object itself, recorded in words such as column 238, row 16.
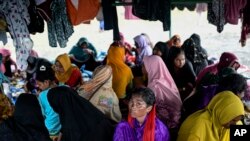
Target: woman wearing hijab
column 66, row 73
column 213, row 122
column 26, row 124
column 116, row 59
column 168, row 100
column 161, row 50
column 227, row 59
column 83, row 53
column 7, row 62
column 195, row 53
column 143, row 48
column 100, row 93
column 142, row 124
column 80, row 120
column 182, row 71
column 174, row 41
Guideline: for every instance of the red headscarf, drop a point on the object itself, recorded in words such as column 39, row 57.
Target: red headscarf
column 226, row 60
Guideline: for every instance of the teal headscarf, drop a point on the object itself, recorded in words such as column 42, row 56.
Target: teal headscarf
column 79, row 53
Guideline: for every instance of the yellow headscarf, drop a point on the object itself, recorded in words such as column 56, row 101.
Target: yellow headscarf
column 207, row 124
column 67, row 66
column 122, row 74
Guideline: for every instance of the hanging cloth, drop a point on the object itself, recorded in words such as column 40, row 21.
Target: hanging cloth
column 245, row 33
column 86, row 10
column 215, row 14
column 59, row 28
column 154, row 10
column 232, row 10
column 17, row 16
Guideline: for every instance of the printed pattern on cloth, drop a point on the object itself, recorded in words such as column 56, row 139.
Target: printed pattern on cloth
column 59, row 28
column 17, row 18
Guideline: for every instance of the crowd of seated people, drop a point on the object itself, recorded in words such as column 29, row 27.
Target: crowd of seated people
column 167, row 92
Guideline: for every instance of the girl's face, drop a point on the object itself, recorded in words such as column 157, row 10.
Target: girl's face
column 179, row 61
column 233, row 121
column 58, row 67
column 156, row 51
column 138, row 108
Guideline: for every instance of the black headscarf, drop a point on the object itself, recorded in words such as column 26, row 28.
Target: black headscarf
column 161, row 46
column 27, row 123
column 80, row 120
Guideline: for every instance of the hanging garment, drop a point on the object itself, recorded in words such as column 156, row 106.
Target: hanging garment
column 153, row 11
column 3, row 37
column 201, row 7
column 245, row 33
column 232, row 10
column 86, row 10
column 17, row 17
column 36, row 21
column 59, row 28
column 110, row 18
column 215, row 14
column 128, row 12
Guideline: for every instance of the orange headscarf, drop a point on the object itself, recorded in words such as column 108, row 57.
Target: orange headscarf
column 122, row 74
column 172, row 41
column 67, row 66
column 6, row 108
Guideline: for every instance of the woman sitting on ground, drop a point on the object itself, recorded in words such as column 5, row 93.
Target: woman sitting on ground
column 66, row 73
column 25, row 123
column 84, row 53
column 213, row 122
column 100, row 93
column 81, row 121
column 142, row 122
column 7, row 62
column 182, row 71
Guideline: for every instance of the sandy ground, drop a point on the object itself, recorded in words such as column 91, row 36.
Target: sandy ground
column 184, row 23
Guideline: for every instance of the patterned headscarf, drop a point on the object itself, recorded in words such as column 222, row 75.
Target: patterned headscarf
column 6, row 108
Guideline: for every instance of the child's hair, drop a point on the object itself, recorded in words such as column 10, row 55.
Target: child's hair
column 45, row 72
column 148, row 97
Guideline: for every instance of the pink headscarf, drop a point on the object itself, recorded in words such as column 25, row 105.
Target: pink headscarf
column 4, row 52
column 168, row 101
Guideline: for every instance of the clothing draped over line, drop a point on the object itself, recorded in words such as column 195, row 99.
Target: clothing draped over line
column 80, row 120
column 245, row 32
column 17, row 16
column 168, row 101
column 72, row 75
column 232, row 10
column 59, row 28
column 128, row 15
column 100, row 93
column 153, row 11
column 124, row 131
column 110, row 18
column 84, row 10
column 115, row 59
column 207, row 124
column 215, row 14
